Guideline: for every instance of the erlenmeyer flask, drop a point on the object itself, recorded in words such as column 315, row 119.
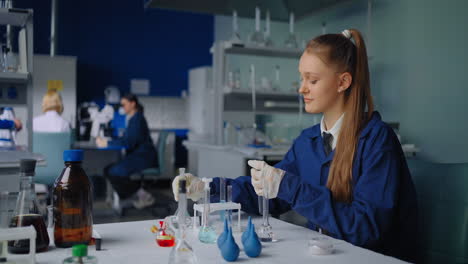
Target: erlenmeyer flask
column 256, row 38
column 182, row 253
column 291, row 41
column 235, row 38
column 26, row 212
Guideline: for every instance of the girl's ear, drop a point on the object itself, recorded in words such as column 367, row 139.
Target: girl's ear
column 345, row 80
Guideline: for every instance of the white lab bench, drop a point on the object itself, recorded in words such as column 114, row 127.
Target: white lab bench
column 10, row 163
column 132, row 242
column 231, row 161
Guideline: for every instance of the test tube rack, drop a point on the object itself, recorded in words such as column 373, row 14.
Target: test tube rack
column 19, row 233
column 218, row 207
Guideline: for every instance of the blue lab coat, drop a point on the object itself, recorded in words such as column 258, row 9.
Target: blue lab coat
column 140, row 151
column 6, row 124
column 383, row 213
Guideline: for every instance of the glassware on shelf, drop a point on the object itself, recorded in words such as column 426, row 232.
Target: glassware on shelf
column 268, row 40
column 265, row 84
column 230, row 81
column 182, row 253
column 4, row 58
column 233, row 80
column 324, row 28
column 256, row 38
column 276, row 83
column 235, row 38
column 237, row 79
column 291, row 41
column 252, row 78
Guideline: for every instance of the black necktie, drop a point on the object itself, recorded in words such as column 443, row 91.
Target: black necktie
column 327, row 142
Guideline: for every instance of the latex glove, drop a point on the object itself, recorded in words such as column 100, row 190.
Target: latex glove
column 195, row 187
column 262, row 172
column 101, row 142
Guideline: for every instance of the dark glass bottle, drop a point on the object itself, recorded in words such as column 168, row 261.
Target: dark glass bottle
column 26, row 212
column 73, row 204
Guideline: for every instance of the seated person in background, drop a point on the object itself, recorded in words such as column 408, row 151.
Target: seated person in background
column 51, row 121
column 141, row 154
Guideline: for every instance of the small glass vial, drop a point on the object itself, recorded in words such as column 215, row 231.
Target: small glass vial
column 80, row 256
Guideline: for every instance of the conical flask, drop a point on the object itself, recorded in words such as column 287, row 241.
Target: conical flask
column 182, row 253
column 26, row 212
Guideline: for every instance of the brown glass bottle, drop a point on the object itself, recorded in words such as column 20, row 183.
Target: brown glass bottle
column 72, row 202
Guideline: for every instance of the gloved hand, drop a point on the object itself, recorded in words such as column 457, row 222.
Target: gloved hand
column 263, row 173
column 194, row 187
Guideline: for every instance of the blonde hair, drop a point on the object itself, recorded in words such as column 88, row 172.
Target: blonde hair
column 347, row 56
column 52, row 101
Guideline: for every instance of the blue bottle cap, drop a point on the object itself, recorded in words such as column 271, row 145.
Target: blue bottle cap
column 73, row 155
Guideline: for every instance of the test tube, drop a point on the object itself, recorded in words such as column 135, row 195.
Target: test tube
column 229, row 193
column 266, row 232
column 222, row 189
column 229, row 200
column 222, row 196
column 265, row 208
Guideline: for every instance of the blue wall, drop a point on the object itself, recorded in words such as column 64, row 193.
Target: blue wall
column 116, row 41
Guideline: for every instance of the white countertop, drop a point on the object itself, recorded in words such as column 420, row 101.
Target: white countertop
column 408, row 149
column 11, row 158
column 132, row 242
column 247, row 151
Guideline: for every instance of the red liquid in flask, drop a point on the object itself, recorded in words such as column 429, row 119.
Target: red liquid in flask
column 165, row 241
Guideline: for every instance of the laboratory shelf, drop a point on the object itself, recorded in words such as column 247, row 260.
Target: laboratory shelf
column 245, row 49
column 14, row 16
column 14, row 77
column 261, row 93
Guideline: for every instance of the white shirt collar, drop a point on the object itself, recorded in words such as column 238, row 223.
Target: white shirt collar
column 51, row 112
column 335, row 130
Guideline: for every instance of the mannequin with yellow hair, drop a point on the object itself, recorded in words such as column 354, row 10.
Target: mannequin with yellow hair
column 51, row 121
